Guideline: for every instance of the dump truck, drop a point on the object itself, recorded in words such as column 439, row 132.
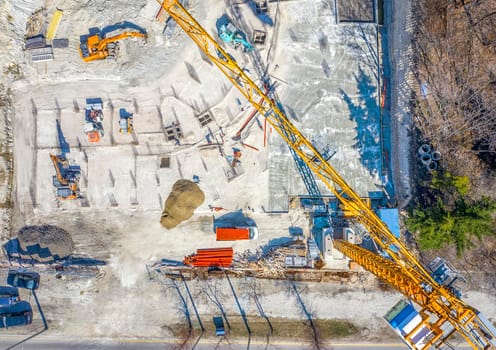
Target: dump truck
column 236, row 233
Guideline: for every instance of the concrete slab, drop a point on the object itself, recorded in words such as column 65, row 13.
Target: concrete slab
column 332, row 96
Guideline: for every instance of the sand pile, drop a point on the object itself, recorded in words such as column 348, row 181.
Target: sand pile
column 184, row 198
column 45, row 243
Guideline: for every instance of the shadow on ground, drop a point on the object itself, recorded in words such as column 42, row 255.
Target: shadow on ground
column 365, row 113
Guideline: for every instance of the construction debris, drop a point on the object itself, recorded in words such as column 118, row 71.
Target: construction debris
column 184, row 198
column 36, row 23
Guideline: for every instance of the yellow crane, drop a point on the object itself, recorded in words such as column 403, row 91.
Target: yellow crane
column 441, row 312
column 94, row 47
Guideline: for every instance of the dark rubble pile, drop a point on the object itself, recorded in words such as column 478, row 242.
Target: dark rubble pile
column 45, row 243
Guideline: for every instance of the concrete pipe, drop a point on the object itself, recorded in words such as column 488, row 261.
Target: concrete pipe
column 436, row 155
column 424, row 149
column 432, row 166
column 426, row 158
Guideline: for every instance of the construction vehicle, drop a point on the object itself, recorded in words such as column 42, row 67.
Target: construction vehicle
column 23, row 278
column 66, row 180
column 96, row 46
column 230, row 34
column 219, row 326
column 125, row 121
column 235, row 233
column 442, row 314
column 8, row 296
column 93, row 119
column 18, row 314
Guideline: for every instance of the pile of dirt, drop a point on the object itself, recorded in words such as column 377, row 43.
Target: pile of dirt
column 184, row 198
column 45, row 243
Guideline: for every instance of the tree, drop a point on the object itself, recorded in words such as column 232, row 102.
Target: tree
column 438, row 226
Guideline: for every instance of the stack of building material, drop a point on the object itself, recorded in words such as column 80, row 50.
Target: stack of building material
column 60, row 43
column 273, row 263
column 42, row 54
column 210, row 257
column 35, row 42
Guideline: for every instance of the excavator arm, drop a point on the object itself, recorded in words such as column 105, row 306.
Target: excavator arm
column 56, row 164
column 402, row 270
column 103, row 43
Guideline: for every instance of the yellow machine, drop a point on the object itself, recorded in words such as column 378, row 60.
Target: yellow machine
column 94, row 47
column 441, row 313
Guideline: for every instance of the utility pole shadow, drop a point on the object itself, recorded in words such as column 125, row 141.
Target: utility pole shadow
column 241, row 310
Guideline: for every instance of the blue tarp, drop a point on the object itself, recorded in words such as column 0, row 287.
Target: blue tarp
column 391, row 218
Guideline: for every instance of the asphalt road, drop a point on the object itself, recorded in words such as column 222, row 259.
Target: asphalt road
column 55, row 343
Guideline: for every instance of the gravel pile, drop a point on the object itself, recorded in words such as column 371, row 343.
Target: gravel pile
column 45, row 243
column 184, row 198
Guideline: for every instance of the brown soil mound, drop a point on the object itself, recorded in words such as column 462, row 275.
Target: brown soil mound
column 45, row 243
column 184, row 198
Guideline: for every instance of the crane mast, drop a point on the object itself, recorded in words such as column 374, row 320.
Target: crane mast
column 442, row 312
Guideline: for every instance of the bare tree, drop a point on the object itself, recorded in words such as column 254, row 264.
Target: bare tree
column 212, row 291
column 454, row 46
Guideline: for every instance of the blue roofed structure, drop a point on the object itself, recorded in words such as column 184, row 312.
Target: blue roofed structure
column 390, row 216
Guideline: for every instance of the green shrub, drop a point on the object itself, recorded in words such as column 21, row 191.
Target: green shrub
column 438, row 226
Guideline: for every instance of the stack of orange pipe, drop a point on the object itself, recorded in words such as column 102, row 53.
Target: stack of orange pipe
column 221, row 257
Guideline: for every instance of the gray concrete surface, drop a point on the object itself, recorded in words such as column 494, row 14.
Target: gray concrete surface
column 331, row 96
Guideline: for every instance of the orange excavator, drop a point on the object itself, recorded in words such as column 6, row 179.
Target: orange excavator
column 96, row 47
column 66, row 180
